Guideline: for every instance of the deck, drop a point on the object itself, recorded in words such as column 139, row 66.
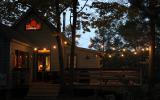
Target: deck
column 105, row 78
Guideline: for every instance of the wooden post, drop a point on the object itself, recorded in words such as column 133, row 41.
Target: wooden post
column 74, row 4
column 60, row 44
column 151, row 69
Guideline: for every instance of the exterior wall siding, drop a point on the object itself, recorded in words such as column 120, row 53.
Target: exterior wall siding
column 87, row 58
column 26, row 41
column 17, row 45
column 55, row 61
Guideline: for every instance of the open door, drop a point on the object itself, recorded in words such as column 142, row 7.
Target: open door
column 42, row 65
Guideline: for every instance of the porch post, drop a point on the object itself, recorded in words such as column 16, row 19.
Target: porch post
column 60, row 44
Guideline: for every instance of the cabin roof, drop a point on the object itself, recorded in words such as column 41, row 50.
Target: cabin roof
column 14, row 28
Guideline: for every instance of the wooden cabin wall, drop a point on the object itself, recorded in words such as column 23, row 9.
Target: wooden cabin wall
column 87, row 59
column 21, row 47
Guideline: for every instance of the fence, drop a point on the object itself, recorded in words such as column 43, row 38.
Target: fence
column 105, row 77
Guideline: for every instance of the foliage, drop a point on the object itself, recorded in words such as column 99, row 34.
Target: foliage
column 130, row 22
column 68, row 34
column 106, row 39
column 12, row 10
column 136, row 32
column 129, row 60
column 111, row 16
column 104, row 15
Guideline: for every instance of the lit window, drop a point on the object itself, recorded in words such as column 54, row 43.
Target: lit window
column 21, row 59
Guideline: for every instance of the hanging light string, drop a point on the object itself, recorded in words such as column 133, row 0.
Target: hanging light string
column 123, row 52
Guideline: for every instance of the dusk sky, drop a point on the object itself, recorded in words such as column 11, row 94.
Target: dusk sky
column 84, row 40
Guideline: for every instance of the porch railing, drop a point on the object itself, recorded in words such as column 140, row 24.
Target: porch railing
column 105, row 77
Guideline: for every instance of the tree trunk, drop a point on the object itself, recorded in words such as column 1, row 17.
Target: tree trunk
column 74, row 4
column 152, row 68
column 60, row 44
column 152, row 50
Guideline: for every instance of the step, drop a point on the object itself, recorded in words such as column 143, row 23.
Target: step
column 43, row 90
column 40, row 98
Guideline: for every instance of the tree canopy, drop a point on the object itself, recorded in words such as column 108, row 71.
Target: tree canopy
column 130, row 21
column 12, row 10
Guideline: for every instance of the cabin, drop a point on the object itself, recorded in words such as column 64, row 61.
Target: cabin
column 29, row 51
column 29, row 54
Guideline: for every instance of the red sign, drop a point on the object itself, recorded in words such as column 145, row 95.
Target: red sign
column 33, row 25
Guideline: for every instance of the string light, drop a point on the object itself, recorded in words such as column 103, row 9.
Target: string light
column 135, row 53
column 142, row 49
column 54, row 47
column 113, row 48
column 102, row 46
column 124, row 50
column 65, row 42
column 133, row 50
column 147, row 49
column 96, row 56
column 44, row 49
column 110, row 56
column 35, row 49
column 122, row 55
column 76, row 38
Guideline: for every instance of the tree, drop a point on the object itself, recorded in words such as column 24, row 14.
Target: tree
column 149, row 8
column 74, row 5
column 106, row 39
column 135, row 31
column 68, row 34
column 12, row 10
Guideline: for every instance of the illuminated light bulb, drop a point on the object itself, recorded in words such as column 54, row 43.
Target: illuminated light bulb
column 65, row 42
column 122, row 55
column 147, row 49
column 102, row 46
column 133, row 50
column 76, row 38
column 35, row 49
column 135, row 53
column 54, row 47
column 110, row 56
column 44, row 49
column 113, row 49
column 96, row 56
column 124, row 50
column 142, row 49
